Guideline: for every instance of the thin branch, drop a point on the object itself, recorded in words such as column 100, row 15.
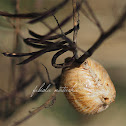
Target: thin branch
column 75, row 20
column 15, row 45
column 47, row 36
column 103, row 37
column 38, row 41
column 87, row 15
column 21, row 16
column 52, row 37
column 55, row 58
column 28, row 42
column 18, row 54
column 32, row 113
column 35, row 15
column 49, row 79
column 39, row 53
column 64, row 37
column 49, row 12
column 75, row 23
column 93, row 16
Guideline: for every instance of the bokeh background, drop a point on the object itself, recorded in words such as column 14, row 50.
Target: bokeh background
column 111, row 54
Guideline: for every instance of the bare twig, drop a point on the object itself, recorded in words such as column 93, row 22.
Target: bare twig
column 103, row 37
column 49, row 79
column 16, row 45
column 52, row 37
column 87, row 15
column 49, row 12
column 32, row 113
column 21, row 16
column 93, row 16
column 75, row 20
column 64, row 37
column 55, row 58
column 47, row 36
column 38, row 16
column 75, row 23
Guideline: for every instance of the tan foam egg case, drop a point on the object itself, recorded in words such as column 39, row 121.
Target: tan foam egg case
column 88, row 87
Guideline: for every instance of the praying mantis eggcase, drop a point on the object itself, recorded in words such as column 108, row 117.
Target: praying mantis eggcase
column 88, row 87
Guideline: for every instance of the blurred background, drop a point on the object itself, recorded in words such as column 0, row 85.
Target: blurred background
column 111, row 54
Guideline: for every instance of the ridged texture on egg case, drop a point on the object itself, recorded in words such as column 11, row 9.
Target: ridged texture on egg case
column 88, row 87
